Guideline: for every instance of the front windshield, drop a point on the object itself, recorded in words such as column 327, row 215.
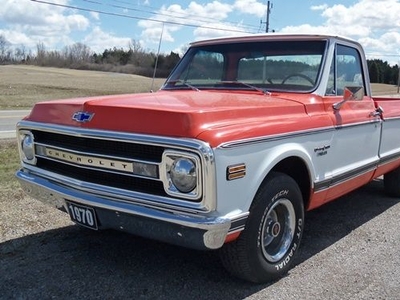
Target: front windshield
column 270, row 66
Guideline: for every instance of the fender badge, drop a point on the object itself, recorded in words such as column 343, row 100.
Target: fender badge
column 81, row 116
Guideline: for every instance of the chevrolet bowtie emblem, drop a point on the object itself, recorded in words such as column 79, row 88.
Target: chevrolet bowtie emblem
column 81, row 116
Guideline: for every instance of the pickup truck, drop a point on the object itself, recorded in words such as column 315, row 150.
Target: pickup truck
column 246, row 135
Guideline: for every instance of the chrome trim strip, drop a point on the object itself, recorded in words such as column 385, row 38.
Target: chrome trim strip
column 389, row 158
column 296, row 134
column 388, row 119
column 239, row 222
column 180, row 143
column 273, row 138
column 85, row 159
column 325, row 184
column 336, row 180
column 88, row 168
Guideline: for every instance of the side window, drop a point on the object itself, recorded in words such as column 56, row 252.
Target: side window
column 345, row 71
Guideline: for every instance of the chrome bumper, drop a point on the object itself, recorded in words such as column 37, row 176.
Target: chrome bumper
column 188, row 230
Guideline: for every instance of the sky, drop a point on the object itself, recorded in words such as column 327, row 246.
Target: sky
column 105, row 24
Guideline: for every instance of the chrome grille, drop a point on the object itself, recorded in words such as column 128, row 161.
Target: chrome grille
column 101, row 147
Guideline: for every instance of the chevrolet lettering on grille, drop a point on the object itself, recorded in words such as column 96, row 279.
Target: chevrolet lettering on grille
column 116, row 165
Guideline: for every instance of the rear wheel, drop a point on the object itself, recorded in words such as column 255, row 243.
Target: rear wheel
column 391, row 183
column 265, row 249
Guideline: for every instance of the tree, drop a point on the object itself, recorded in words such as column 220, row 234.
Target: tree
column 4, row 49
column 77, row 53
column 373, row 72
column 40, row 54
column 381, row 72
column 20, row 54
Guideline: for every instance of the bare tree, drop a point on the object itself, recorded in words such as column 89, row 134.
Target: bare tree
column 4, row 49
column 139, row 57
column 77, row 53
column 20, row 53
column 40, row 53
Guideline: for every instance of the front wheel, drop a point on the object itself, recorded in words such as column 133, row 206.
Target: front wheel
column 265, row 249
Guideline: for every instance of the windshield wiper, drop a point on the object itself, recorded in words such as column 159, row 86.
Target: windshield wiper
column 265, row 92
column 184, row 83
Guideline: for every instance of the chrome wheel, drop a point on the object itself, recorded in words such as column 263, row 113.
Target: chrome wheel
column 278, row 230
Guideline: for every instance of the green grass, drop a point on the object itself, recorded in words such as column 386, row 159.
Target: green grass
column 9, row 163
column 23, row 86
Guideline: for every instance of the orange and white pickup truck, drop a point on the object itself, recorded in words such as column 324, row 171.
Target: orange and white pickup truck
column 246, row 134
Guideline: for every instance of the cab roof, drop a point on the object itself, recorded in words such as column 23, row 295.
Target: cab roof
column 270, row 37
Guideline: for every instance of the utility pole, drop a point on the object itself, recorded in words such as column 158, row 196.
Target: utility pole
column 269, row 7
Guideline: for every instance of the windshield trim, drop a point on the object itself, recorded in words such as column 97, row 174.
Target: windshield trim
column 215, row 84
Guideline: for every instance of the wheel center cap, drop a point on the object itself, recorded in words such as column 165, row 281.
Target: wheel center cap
column 275, row 229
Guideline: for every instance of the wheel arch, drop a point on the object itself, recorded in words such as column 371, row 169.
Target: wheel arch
column 296, row 168
column 296, row 164
column 291, row 159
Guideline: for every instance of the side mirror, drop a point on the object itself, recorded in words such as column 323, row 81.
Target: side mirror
column 350, row 93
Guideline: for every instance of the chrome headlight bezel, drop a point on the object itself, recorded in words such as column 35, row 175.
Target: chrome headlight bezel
column 174, row 184
column 26, row 144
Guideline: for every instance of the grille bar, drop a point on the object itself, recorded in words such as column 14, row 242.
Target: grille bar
column 111, row 148
column 101, row 177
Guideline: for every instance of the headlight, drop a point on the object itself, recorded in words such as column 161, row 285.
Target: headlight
column 183, row 175
column 27, row 147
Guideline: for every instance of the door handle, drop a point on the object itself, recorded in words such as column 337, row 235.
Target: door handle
column 378, row 112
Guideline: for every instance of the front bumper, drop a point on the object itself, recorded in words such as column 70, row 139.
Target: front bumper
column 183, row 229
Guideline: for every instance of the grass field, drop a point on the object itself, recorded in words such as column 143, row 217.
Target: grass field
column 22, row 86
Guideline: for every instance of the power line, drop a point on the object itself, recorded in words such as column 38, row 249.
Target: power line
column 136, row 17
column 173, row 15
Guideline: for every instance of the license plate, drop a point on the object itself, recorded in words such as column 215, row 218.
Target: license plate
column 82, row 215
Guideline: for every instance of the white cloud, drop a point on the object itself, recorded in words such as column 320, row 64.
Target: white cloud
column 29, row 23
column 195, row 14
column 98, row 40
column 95, row 15
column 214, row 30
column 376, row 25
column 319, row 7
column 211, row 11
column 252, row 7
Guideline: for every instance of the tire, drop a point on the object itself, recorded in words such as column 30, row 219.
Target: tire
column 265, row 249
column 391, row 182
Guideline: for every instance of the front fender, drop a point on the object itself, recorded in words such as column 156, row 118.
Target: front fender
column 259, row 160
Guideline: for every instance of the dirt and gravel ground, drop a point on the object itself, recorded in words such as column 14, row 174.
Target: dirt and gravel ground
column 350, row 250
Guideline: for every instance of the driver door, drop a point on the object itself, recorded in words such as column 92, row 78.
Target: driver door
column 355, row 144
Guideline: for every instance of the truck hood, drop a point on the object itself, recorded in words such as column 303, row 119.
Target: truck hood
column 176, row 114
